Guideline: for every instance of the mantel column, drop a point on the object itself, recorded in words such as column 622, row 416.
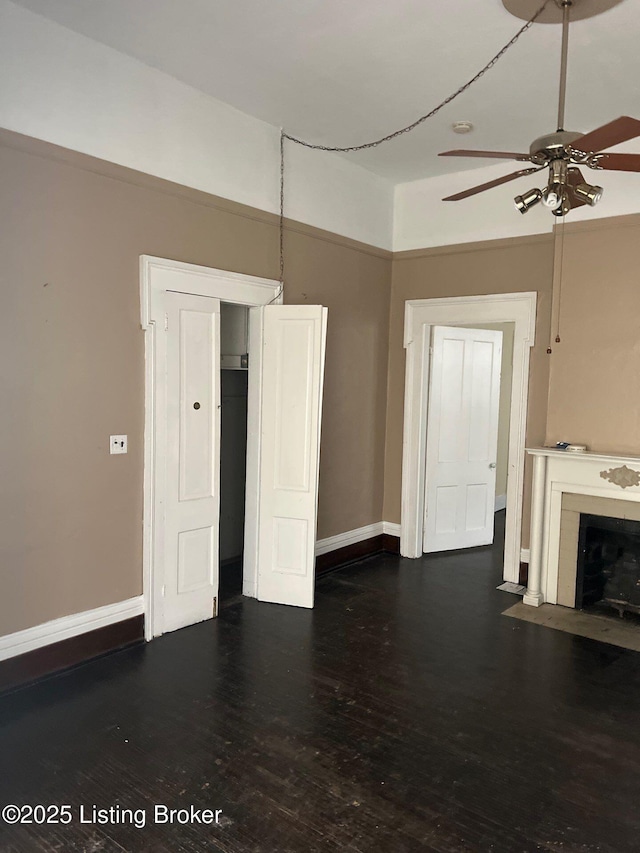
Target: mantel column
column 533, row 595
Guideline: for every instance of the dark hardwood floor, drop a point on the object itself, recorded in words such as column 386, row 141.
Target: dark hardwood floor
column 404, row 713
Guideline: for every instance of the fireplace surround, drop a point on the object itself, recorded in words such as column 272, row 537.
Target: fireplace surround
column 566, row 485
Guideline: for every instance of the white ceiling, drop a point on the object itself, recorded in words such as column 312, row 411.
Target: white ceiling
column 342, row 73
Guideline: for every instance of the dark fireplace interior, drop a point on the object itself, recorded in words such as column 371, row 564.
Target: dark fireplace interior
column 608, row 564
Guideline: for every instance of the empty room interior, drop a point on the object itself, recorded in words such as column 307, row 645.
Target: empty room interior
column 320, row 487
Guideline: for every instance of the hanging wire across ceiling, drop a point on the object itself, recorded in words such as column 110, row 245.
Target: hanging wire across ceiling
column 374, row 144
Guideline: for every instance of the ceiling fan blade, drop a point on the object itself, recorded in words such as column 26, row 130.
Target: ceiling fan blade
column 619, row 130
column 496, row 183
column 620, row 162
column 500, row 155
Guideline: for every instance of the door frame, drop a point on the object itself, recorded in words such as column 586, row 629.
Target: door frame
column 420, row 315
column 226, row 286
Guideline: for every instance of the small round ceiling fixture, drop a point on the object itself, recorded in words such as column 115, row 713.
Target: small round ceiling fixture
column 462, row 127
column 580, row 9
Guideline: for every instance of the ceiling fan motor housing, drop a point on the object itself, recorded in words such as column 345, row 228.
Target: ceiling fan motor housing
column 553, row 146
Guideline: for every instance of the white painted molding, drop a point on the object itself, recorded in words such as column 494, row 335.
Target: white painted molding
column 533, row 596
column 157, row 276
column 501, row 503
column 420, row 315
column 30, row 639
column 555, row 473
column 489, row 308
column 359, row 534
column 349, row 537
column 391, row 528
column 525, row 555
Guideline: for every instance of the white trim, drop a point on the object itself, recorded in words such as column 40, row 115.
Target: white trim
column 358, row 534
column 157, row 276
column 391, row 528
column 350, row 537
column 68, row 626
column 525, row 555
column 501, row 503
column 420, row 315
column 254, row 451
column 207, row 281
column 589, row 455
column 554, row 474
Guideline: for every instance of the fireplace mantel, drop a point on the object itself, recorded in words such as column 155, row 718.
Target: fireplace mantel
column 605, row 475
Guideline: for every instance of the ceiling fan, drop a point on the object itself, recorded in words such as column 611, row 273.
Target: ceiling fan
column 565, row 151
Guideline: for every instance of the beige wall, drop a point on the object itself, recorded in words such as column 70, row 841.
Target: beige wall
column 71, row 349
column 501, row 266
column 585, row 391
column 593, row 394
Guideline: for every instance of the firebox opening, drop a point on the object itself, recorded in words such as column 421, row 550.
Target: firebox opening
column 608, row 571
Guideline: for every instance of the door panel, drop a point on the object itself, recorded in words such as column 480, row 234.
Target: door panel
column 195, row 551
column 196, row 354
column 192, row 459
column 462, row 438
column 292, row 379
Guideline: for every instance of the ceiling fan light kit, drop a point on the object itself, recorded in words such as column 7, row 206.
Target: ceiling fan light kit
column 589, row 193
column 564, row 151
column 526, row 201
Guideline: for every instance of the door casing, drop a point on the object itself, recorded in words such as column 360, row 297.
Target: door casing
column 155, row 280
column 420, row 315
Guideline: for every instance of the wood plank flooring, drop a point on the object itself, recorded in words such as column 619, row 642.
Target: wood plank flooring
column 404, row 713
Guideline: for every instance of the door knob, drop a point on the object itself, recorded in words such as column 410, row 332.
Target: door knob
column 492, row 465
column 196, row 405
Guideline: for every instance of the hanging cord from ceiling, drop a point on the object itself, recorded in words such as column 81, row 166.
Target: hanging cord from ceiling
column 374, row 144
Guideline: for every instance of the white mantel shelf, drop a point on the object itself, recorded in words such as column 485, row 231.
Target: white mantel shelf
column 584, row 454
column 556, row 472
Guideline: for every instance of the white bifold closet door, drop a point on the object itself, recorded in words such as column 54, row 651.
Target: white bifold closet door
column 290, row 369
column 192, row 459
column 294, row 339
column 462, row 438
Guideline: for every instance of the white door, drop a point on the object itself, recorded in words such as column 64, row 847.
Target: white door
column 292, row 378
column 192, row 459
column 462, row 438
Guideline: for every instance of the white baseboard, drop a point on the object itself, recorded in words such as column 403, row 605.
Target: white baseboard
column 350, row 537
column 68, row 626
column 524, row 555
column 501, row 502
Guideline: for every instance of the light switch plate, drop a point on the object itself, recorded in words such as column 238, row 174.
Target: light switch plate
column 117, row 444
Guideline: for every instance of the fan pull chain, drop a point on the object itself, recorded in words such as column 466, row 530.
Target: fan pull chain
column 390, row 136
column 556, row 284
column 560, row 279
